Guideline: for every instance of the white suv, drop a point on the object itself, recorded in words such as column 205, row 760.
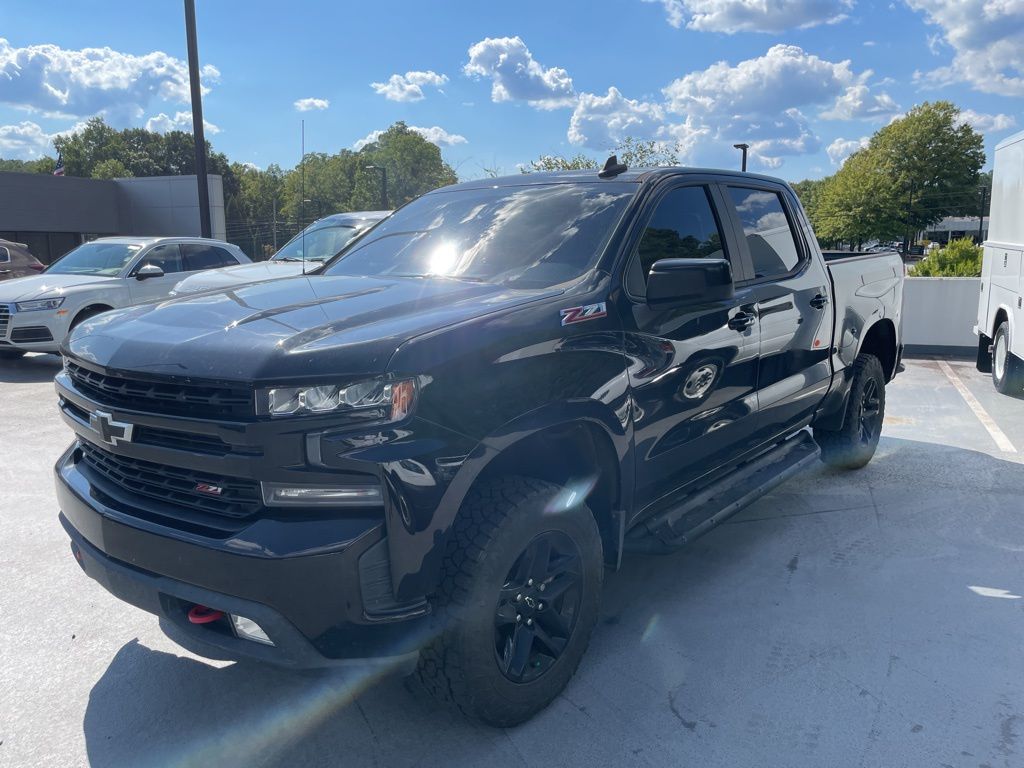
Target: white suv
column 38, row 312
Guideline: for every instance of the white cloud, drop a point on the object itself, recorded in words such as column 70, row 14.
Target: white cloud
column 985, row 123
column 24, row 141
column 182, row 121
column 434, row 134
column 603, row 121
column 28, row 141
column 987, row 39
column 305, row 105
column 516, row 76
column 762, row 101
column 408, row 87
column 91, row 81
column 858, row 102
column 731, row 16
column 840, row 149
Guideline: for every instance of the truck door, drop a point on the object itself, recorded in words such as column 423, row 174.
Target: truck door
column 692, row 369
column 791, row 293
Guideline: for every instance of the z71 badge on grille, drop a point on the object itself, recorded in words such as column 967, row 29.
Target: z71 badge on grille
column 587, row 312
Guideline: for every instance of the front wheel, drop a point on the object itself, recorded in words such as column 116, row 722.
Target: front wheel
column 853, row 445
column 1007, row 369
column 518, row 600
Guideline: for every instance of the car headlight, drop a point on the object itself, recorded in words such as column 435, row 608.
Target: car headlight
column 374, row 399
column 32, row 306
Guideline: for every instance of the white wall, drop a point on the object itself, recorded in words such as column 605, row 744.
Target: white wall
column 940, row 311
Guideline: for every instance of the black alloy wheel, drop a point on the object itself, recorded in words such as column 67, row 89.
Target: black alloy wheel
column 537, row 607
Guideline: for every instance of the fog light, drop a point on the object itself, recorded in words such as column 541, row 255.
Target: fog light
column 247, row 629
column 280, row 495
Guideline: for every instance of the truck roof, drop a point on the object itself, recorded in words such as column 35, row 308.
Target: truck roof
column 1010, row 140
column 632, row 175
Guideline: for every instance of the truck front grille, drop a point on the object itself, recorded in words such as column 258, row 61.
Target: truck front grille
column 5, row 320
column 163, row 397
column 198, row 491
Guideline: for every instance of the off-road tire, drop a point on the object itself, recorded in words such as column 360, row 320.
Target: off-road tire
column 849, row 447
column 1011, row 380
column 496, row 524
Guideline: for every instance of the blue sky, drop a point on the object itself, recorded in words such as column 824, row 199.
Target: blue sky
column 498, row 84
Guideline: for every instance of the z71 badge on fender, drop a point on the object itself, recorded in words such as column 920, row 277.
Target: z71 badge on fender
column 588, row 312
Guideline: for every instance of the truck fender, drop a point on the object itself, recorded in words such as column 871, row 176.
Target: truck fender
column 416, row 559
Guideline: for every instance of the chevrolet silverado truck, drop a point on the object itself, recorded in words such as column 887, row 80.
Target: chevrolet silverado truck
column 432, row 448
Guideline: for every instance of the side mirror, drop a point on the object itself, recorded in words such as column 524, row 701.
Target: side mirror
column 146, row 271
column 677, row 282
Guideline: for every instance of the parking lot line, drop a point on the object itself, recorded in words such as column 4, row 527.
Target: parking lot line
column 1002, row 441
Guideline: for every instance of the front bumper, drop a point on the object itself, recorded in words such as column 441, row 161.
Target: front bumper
column 40, row 331
column 311, row 606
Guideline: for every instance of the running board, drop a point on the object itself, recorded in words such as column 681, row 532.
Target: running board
column 671, row 529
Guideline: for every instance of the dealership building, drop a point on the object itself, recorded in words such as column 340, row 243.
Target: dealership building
column 53, row 214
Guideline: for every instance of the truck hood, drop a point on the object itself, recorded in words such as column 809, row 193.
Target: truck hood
column 296, row 329
column 46, row 286
column 228, row 277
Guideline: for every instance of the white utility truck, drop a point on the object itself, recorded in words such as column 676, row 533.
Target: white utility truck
column 1000, row 327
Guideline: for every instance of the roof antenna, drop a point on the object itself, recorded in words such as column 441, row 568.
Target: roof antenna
column 612, row 168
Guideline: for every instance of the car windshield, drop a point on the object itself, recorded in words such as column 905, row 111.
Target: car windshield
column 103, row 259
column 530, row 237
column 319, row 243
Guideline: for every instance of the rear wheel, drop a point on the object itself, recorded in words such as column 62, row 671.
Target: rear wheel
column 518, row 601
column 853, row 445
column 1007, row 368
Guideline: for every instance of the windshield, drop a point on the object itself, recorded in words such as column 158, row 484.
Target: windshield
column 104, row 259
column 320, row 244
column 530, row 236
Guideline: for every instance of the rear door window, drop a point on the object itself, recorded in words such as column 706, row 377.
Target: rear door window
column 773, row 247
column 5, row 255
column 199, row 257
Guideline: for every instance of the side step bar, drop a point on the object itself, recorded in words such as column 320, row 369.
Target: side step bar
column 723, row 498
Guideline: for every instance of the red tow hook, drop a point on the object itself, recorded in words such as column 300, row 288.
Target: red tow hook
column 200, row 614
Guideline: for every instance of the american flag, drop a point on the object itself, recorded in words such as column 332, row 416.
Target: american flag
column 58, row 170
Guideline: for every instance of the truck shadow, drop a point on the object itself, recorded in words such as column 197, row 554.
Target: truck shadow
column 156, row 708
column 31, row 369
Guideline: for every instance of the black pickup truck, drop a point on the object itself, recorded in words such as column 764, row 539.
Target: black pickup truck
column 435, row 445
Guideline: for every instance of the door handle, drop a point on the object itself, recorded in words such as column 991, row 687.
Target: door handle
column 819, row 301
column 741, row 320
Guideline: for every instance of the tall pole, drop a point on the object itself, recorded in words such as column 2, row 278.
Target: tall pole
column 743, row 148
column 197, row 118
column 383, row 184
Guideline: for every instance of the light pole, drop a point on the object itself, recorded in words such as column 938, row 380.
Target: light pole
column 383, row 184
column 743, row 148
column 197, row 117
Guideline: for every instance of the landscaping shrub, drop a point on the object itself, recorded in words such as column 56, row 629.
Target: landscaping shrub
column 961, row 258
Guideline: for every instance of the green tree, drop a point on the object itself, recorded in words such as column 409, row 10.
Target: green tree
column 934, row 161
column 858, row 203
column 44, row 164
column 110, row 169
column 635, row 153
column 961, row 258
column 414, row 166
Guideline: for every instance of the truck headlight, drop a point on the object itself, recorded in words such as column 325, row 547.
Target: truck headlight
column 37, row 304
column 391, row 400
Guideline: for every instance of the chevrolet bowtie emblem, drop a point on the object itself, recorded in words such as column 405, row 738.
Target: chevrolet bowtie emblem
column 110, row 432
